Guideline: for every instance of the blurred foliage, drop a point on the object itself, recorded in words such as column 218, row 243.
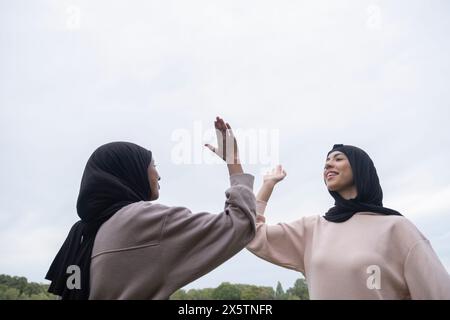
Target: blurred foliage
column 18, row 288
column 228, row 291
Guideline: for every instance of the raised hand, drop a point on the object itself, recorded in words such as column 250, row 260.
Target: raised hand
column 270, row 179
column 227, row 145
column 275, row 175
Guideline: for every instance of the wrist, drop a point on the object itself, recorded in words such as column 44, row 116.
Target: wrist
column 235, row 169
column 233, row 160
column 269, row 183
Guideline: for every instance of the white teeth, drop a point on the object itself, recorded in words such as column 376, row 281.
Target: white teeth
column 331, row 174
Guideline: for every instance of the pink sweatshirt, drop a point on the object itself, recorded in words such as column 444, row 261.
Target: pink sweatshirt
column 370, row 256
column 147, row 251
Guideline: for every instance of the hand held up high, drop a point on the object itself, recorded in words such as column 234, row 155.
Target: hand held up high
column 227, row 148
column 275, row 175
column 270, row 179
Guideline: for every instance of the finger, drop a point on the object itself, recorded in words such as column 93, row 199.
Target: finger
column 230, row 131
column 210, row 147
column 218, row 127
column 219, row 131
column 232, row 136
column 216, row 124
column 223, row 128
column 222, row 124
column 219, row 135
column 219, row 122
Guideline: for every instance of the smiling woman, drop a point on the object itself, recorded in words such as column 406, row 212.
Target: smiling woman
column 359, row 249
column 352, row 180
column 338, row 175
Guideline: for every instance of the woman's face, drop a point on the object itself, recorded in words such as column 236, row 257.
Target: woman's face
column 153, row 178
column 338, row 175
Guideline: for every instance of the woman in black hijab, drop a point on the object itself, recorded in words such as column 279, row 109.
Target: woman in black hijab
column 115, row 176
column 126, row 247
column 359, row 249
column 369, row 195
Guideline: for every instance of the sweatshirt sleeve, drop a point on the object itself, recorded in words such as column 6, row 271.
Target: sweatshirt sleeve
column 425, row 275
column 282, row 244
column 195, row 244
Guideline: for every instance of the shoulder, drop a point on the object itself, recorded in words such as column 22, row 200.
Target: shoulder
column 144, row 210
column 305, row 223
column 136, row 224
column 398, row 228
column 406, row 230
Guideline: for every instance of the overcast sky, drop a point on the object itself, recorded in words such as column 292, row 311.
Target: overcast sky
column 295, row 77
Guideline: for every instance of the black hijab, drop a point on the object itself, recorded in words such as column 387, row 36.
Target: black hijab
column 115, row 176
column 365, row 177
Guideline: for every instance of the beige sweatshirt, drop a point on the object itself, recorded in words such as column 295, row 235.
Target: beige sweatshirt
column 370, row 256
column 148, row 251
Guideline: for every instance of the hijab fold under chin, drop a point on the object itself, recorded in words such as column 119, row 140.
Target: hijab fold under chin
column 115, row 176
column 365, row 177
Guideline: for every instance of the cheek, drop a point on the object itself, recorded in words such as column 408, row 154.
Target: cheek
column 153, row 181
column 331, row 184
column 347, row 174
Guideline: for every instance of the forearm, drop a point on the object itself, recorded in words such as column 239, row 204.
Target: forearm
column 282, row 244
column 266, row 191
column 216, row 237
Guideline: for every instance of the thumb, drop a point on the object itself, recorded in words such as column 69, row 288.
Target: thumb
column 210, row 147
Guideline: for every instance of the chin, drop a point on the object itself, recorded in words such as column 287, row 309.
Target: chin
column 332, row 188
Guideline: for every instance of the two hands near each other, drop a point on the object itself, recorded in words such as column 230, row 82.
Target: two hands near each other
column 227, row 150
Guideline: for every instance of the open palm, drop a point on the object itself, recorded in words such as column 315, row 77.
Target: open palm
column 227, row 148
column 275, row 175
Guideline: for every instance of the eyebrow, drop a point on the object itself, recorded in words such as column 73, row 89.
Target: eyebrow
column 337, row 154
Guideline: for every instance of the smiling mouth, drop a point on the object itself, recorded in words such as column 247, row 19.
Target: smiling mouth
column 331, row 175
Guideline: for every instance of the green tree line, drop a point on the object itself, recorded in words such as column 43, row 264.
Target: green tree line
column 18, row 288
column 228, row 291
